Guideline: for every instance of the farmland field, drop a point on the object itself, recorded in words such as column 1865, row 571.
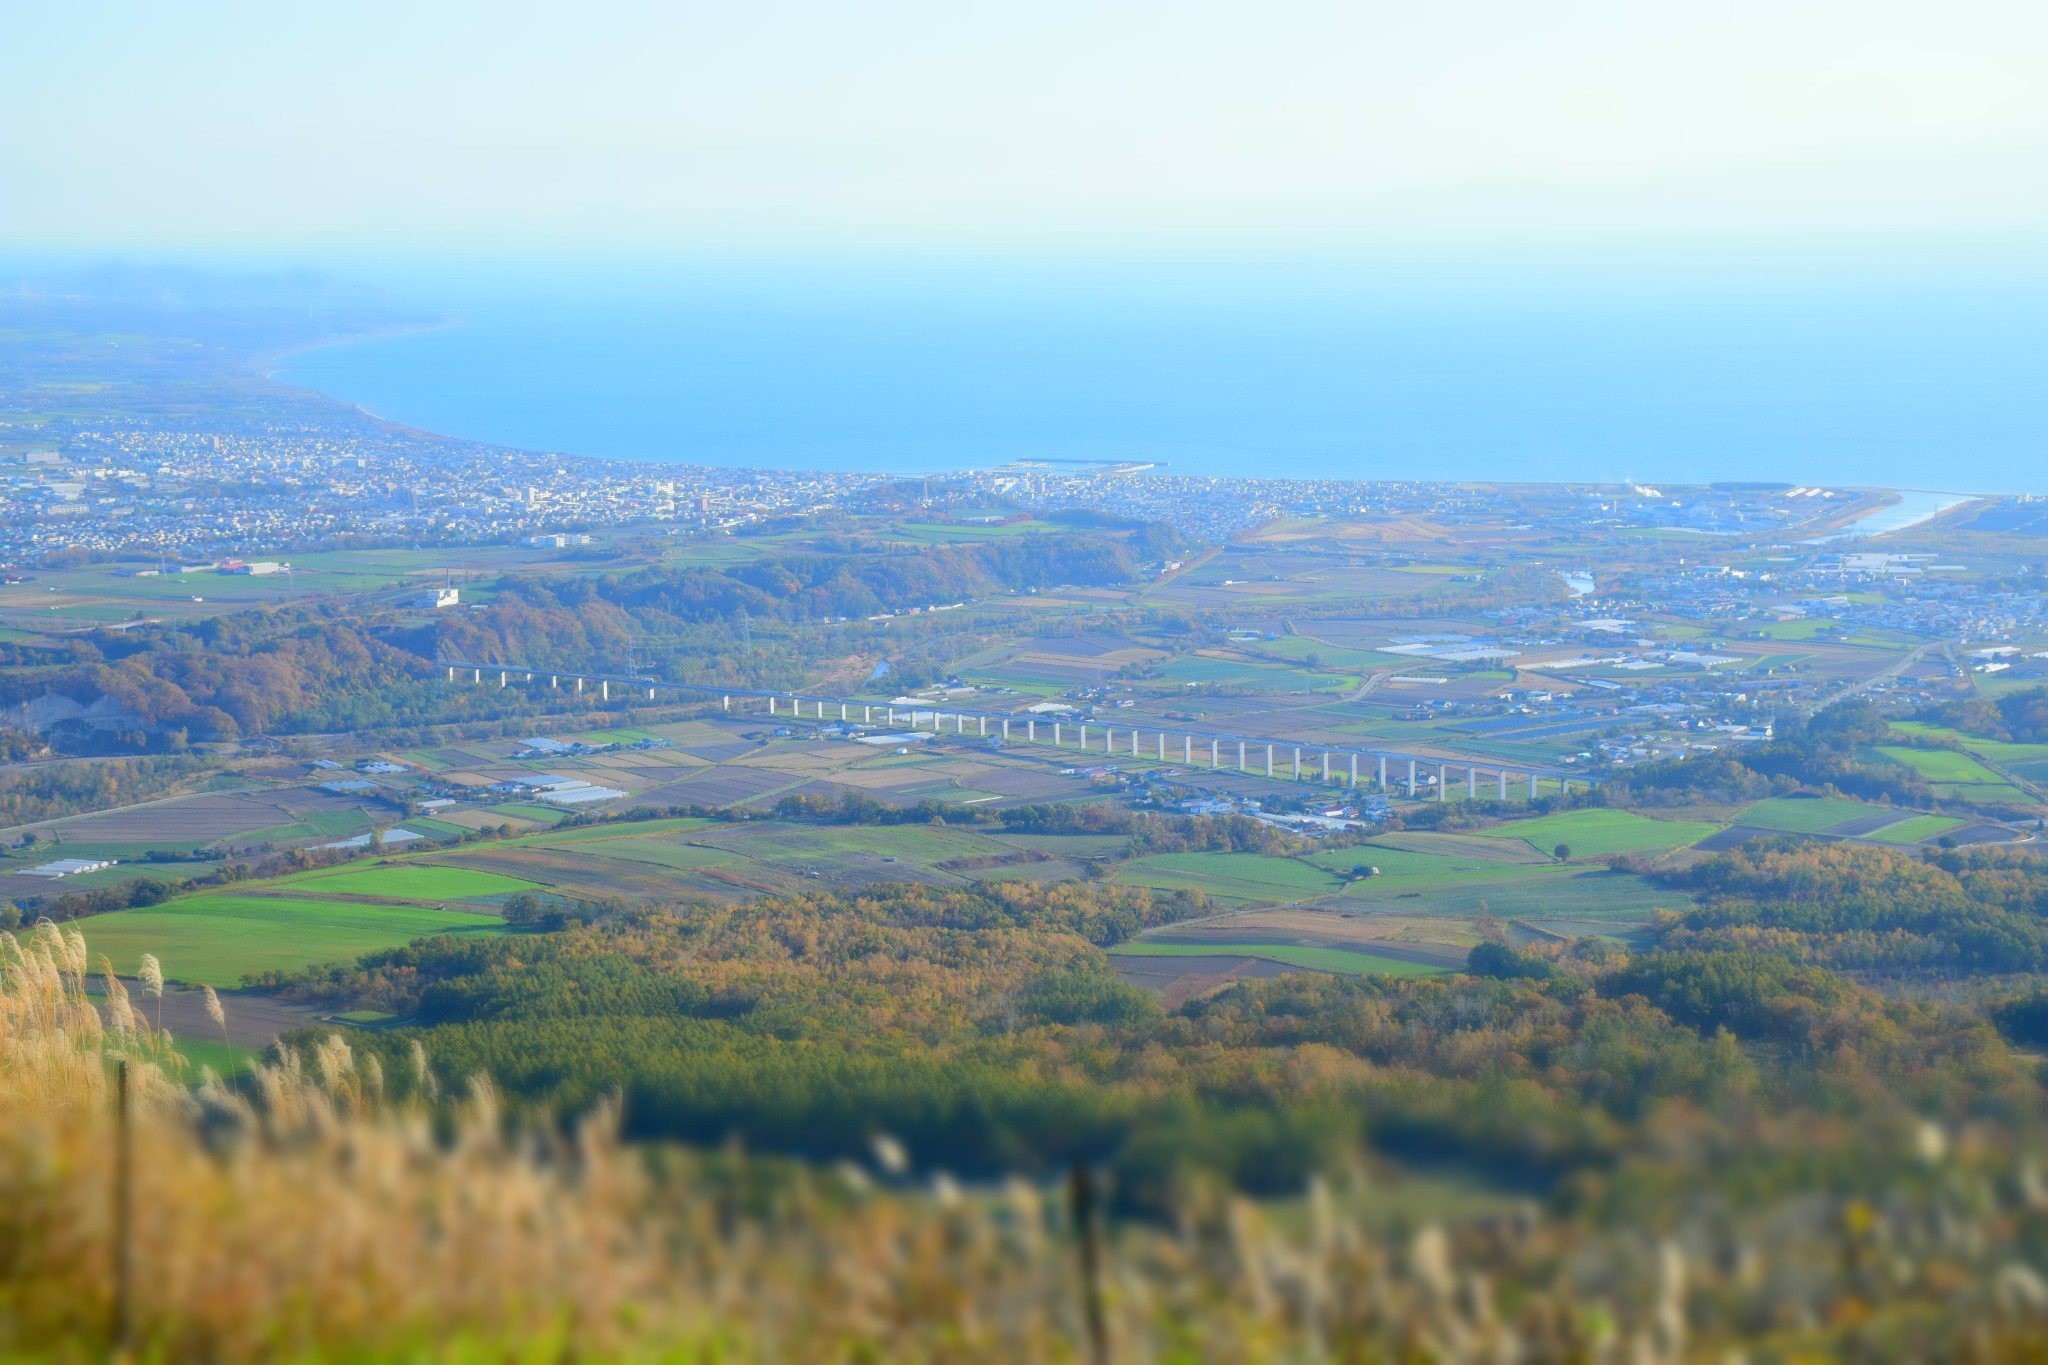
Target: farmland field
column 1231, row 876
column 1598, row 833
column 1266, row 677
column 411, row 881
column 219, row 939
column 1982, row 792
column 661, row 853
column 1408, row 869
column 1914, row 829
column 1488, row 845
column 1940, row 765
column 1552, row 892
column 177, row 822
column 1996, row 750
column 1293, row 955
column 584, row 834
column 1803, row 629
column 1801, row 815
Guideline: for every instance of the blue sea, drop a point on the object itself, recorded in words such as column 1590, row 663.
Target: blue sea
column 1909, row 368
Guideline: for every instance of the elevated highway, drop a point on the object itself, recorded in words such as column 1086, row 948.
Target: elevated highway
column 1392, row 771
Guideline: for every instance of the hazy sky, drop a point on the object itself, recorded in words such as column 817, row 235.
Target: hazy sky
column 376, row 126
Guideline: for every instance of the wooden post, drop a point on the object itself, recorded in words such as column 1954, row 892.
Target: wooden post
column 1081, row 1205
column 124, row 1211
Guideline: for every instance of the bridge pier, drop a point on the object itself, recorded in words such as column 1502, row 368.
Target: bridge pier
column 606, row 685
column 1297, row 763
column 1443, row 781
column 1030, row 731
column 1240, row 756
column 1212, row 755
column 476, row 675
column 1187, row 751
column 579, row 687
column 1269, row 760
column 1055, row 734
column 1411, row 778
column 1326, row 770
column 1354, row 772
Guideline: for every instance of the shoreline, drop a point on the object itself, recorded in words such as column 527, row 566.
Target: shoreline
column 273, row 362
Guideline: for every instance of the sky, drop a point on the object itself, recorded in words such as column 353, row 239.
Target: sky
column 512, row 127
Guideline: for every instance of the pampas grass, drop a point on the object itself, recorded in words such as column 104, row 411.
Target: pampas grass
column 306, row 1217
column 217, row 1014
column 151, row 975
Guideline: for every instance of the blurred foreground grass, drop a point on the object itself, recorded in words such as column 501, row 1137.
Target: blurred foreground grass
column 303, row 1217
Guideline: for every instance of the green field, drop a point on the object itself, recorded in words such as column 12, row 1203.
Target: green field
column 1940, row 765
column 1913, row 830
column 440, row 829
column 1996, row 750
column 1805, row 629
column 222, row 1058
column 219, row 939
column 1291, row 954
column 622, row 735
column 609, row 831
column 411, row 881
column 1983, row 793
column 1611, row 897
column 1406, row 869
column 661, row 853
column 546, row 815
column 1599, row 833
column 1488, row 846
column 327, row 824
column 911, row 843
column 1801, row 814
column 1240, row 877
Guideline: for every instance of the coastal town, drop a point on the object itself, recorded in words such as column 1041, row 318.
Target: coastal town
column 262, row 489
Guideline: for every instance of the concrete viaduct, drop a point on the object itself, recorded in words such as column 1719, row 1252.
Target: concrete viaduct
column 1389, row 771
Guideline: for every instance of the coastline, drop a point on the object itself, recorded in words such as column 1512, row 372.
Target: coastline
column 274, row 361
column 272, row 364
column 1916, row 507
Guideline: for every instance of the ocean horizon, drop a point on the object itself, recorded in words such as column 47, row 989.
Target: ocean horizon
column 1876, row 377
